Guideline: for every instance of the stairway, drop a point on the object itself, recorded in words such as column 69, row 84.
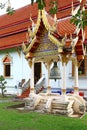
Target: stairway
column 25, row 93
column 39, row 86
column 25, row 90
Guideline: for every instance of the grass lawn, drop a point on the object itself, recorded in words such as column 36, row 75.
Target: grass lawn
column 11, row 119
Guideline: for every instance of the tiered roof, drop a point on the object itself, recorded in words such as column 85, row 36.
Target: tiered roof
column 13, row 28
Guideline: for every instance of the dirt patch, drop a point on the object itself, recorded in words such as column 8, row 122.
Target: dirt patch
column 16, row 106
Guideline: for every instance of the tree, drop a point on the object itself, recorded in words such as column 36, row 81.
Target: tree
column 80, row 18
column 41, row 5
column 9, row 9
column 2, row 85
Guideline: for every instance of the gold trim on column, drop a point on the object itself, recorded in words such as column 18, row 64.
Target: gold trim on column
column 31, row 89
column 49, row 87
column 63, row 91
column 49, row 90
column 65, row 58
column 76, row 89
column 30, row 63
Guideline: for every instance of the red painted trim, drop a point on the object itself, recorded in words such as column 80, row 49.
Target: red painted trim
column 68, row 6
column 13, row 32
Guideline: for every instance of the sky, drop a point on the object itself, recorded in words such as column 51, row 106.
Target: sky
column 15, row 4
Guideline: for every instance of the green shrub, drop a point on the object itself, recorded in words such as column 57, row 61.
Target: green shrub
column 2, row 85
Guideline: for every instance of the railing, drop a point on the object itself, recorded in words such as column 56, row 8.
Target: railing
column 26, row 86
column 40, row 84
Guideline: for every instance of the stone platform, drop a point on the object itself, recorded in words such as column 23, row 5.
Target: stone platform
column 56, row 104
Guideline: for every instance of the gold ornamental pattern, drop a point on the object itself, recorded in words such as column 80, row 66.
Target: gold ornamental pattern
column 45, row 43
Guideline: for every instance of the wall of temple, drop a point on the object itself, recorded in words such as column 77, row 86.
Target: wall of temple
column 21, row 70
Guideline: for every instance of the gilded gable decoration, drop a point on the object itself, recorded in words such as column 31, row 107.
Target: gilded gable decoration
column 50, row 36
column 32, row 32
column 45, row 18
column 45, row 43
column 54, row 40
column 27, row 49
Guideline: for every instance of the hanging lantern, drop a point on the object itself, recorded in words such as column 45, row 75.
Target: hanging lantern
column 55, row 72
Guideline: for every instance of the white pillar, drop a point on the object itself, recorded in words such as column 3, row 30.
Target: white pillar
column 32, row 77
column 76, row 80
column 48, row 87
column 64, row 79
column 64, row 75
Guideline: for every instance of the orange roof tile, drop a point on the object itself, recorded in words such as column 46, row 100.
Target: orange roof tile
column 19, row 15
column 22, row 15
column 65, row 27
column 12, row 40
column 13, row 28
column 25, row 12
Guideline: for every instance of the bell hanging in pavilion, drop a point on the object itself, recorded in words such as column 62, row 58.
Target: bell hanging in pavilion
column 55, row 72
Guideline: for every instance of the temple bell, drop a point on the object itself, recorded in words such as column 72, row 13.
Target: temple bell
column 55, row 72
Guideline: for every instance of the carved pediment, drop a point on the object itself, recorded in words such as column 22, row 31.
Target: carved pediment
column 45, row 44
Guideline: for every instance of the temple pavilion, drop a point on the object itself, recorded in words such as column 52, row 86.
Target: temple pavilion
column 50, row 42
column 37, row 37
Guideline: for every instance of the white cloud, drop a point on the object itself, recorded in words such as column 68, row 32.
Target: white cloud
column 15, row 4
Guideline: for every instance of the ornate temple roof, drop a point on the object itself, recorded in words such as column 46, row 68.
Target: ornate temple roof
column 13, row 29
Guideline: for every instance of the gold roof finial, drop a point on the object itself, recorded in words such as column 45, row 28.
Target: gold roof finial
column 55, row 17
column 33, row 24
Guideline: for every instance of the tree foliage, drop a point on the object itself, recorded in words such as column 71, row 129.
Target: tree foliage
column 80, row 19
column 41, row 4
column 9, row 9
column 2, row 85
column 53, row 6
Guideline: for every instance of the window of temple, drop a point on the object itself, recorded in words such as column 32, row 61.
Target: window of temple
column 7, row 72
column 7, row 66
column 82, row 70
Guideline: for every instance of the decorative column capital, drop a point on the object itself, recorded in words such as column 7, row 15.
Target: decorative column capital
column 31, row 62
column 63, row 91
column 31, row 90
column 76, row 89
column 65, row 58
